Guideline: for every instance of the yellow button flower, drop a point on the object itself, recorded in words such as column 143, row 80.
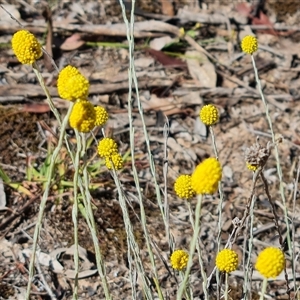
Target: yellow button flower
column 270, row 262
column 101, row 115
column 107, row 147
column 251, row 167
column 83, row 116
column 206, row 176
column 209, row 115
column 227, row 260
column 179, row 259
column 26, row 47
column 183, row 187
column 117, row 161
column 71, row 84
column 249, row 44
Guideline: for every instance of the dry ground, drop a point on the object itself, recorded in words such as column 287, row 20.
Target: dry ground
column 171, row 88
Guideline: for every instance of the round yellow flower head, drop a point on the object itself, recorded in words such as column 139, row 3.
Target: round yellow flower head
column 179, row 259
column 183, row 187
column 251, row 167
column 227, row 260
column 83, row 116
column 117, row 161
column 249, row 44
column 209, row 115
column 107, row 147
column 101, row 115
column 26, row 47
column 270, row 262
column 206, row 176
column 71, row 84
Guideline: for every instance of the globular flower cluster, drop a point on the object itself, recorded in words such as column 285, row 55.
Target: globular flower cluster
column 115, row 160
column 249, row 44
column 107, row 147
column 179, row 259
column 206, row 176
column 183, row 187
column 270, row 262
column 101, row 116
column 83, row 116
column 227, row 260
column 71, row 84
column 26, row 47
column 209, row 115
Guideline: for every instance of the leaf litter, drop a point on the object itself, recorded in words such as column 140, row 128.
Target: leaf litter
column 174, row 87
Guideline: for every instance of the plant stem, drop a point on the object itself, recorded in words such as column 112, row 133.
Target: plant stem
column 192, row 248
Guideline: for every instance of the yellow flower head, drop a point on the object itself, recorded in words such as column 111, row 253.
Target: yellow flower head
column 26, row 47
column 251, row 167
column 117, row 161
column 227, row 260
column 179, row 259
column 249, row 44
column 107, row 147
column 101, row 115
column 209, row 115
column 83, row 116
column 270, row 262
column 206, row 176
column 183, row 187
column 71, row 84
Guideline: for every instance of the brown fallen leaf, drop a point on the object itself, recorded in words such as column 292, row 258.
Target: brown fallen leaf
column 166, row 60
column 38, row 108
column 244, row 9
column 167, row 8
column 72, row 43
column 257, row 18
column 264, row 20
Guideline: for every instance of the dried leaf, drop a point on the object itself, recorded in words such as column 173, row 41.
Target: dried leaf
column 264, row 20
column 244, row 9
column 201, row 69
column 38, row 108
column 72, row 43
column 161, row 42
column 167, row 8
column 166, row 60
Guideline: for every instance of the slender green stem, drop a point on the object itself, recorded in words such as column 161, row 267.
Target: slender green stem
column 279, row 172
column 131, row 241
column 45, row 89
column 226, row 287
column 93, row 230
column 247, row 263
column 131, row 78
column 263, row 289
column 220, row 205
column 75, row 211
column 192, row 248
column 44, row 200
column 186, row 288
column 203, row 274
